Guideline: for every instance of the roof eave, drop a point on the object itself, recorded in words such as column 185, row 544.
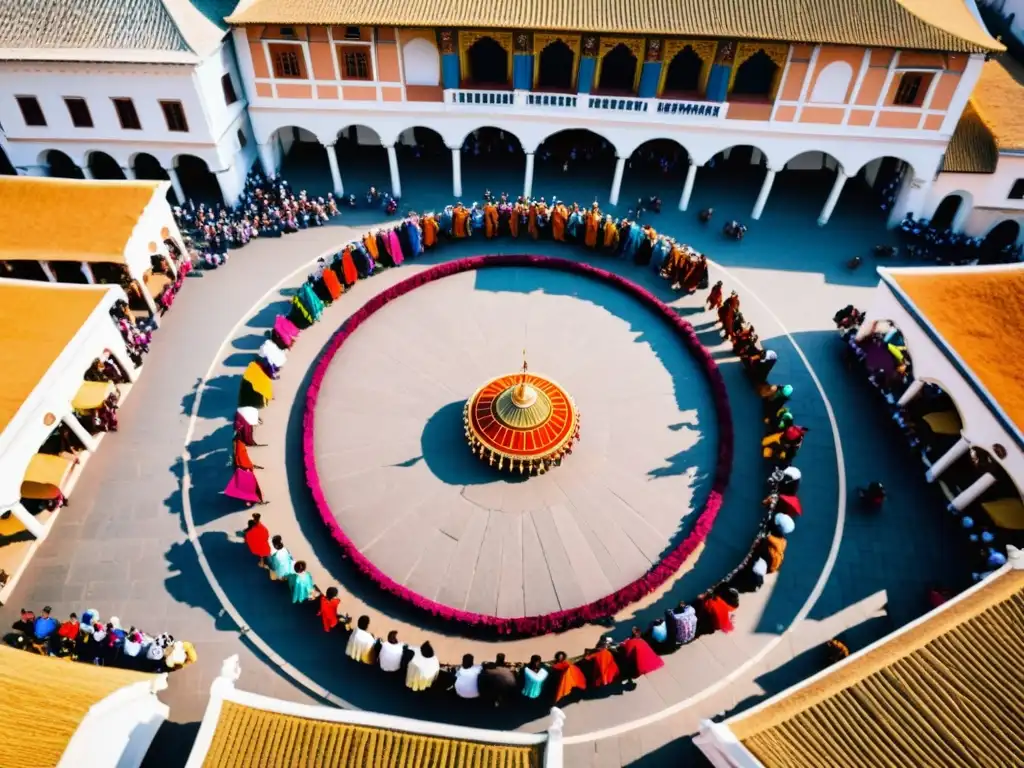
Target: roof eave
column 99, row 55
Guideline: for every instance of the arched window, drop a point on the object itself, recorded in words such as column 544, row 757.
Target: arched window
column 755, row 76
column 832, row 84
column 422, row 64
column 618, row 70
column 556, row 66
column 683, row 75
column 488, row 62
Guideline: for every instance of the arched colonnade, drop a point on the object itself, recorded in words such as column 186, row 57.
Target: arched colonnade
column 276, row 141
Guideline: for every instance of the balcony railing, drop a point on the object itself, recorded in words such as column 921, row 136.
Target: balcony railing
column 609, row 107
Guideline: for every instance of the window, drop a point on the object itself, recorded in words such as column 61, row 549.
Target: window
column 174, row 114
column 357, row 65
column 79, row 111
column 287, row 31
column 127, row 115
column 352, row 33
column 230, row 97
column 911, row 90
column 242, row 141
column 1017, row 190
column 30, row 110
column 287, row 61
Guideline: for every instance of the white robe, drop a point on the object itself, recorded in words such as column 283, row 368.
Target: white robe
column 390, row 656
column 360, row 643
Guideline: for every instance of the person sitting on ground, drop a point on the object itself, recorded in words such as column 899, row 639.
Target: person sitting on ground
column 390, row 653
column 705, row 215
column 361, row 643
column 328, row 611
column 45, row 625
column 684, row 620
column 658, row 632
column 534, row 675
column 69, row 630
column 603, row 669
column 132, row 649
column 497, row 680
column 717, row 613
column 873, row 493
column 25, row 622
column 301, row 583
column 571, row 677
column 423, row 668
column 774, row 550
column 640, row 658
column 790, row 481
column 467, row 678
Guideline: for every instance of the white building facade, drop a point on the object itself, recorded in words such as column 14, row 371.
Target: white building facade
column 146, row 90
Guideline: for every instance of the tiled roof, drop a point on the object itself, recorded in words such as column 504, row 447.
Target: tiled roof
column 123, row 30
column 941, row 25
column 972, row 148
column 74, row 235
column 975, row 311
column 999, row 99
column 246, row 736
column 44, row 701
column 945, row 692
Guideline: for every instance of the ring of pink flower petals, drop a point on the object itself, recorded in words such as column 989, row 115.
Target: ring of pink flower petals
column 527, row 626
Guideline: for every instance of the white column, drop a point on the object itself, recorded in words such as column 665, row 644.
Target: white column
column 528, row 180
column 267, row 160
column 48, row 271
column 762, row 197
column 90, row 278
column 882, row 94
column 946, row 460
column 129, row 172
column 691, row 176
column 833, row 198
column 620, row 167
column 805, row 87
column 457, row 172
column 32, row 525
column 396, row 179
column 87, row 172
column 912, row 391
column 332, row 160
column 80, row 432
column 973, row 491
column 227, row 192
column 172, row 173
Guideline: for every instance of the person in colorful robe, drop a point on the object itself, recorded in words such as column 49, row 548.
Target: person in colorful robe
column 460, row 221
column 559, row 218
column 490, row 220
column 257, row 539
column 571, row 677
column 603, row 669
column 640, row 658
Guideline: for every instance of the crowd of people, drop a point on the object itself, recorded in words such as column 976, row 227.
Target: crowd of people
column 881, row 355
column 268, row 207
column 105, row 643
column 611, row 662
column 920, row 240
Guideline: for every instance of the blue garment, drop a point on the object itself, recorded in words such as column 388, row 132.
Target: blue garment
column 575, row 220
column 533, row 682
column 415, row 241
column 281, row 563
column 311, row 301
column 301, row 585
column 45, row 626
column 662, row 248
column 477, row 218
column 659, row 633
column 444, row 221
column 636, row 234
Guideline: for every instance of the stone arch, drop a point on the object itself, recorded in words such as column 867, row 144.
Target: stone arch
column 748, row 152
column 364, row 135
column 60, row 164
column 620, row 70
column 757, row 76
column 950, row 211
column 553, row 134
column 832, row 84
column 422, row 63
column 684, row 73
column 556, row 66
column 103, row 166
column 148, row 167
column 505, row 133
column 806, row 161
column 488, row 62
column 197, row 179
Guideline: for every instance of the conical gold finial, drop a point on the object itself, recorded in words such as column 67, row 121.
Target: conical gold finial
column 524, row 395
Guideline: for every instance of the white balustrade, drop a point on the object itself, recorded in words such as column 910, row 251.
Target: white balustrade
column 610, row 107
column 472, row 98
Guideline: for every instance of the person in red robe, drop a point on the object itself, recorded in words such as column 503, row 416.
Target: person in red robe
column 718, row 614
column 640, row 657
column 572, row 677
column 714, row 300
column 241, row 456
column 69, row 629
column 328, row 613
column 257, row 538
column 603, row 669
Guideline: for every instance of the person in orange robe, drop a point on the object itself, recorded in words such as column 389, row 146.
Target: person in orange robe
column 430, row 227
column 714, row 300
column 774, row 552
column 559, row 216
column 490, row 220
column 611, row 234
column 241, row 456
column 531, row 220
column 516, row 219
column 257, row 538
column 697, row 271
column 371, row 246
column 460, row 221
column 572, row 677
column 328, row 611
column 332, row 284
column 603, row 669
column 349, row 272
column 592, row 223
column 718, row 614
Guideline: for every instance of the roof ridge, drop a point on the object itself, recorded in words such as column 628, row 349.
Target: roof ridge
column 934, row 12
column 200, row 34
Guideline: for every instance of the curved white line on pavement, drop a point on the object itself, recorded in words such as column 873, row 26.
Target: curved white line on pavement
column 819, row 586
column 581, row 738
column 186, row 500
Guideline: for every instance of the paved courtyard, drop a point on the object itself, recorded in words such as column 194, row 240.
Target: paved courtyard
column 122, row 546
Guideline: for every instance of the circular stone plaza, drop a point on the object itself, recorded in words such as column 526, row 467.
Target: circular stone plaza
column 576, row 478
